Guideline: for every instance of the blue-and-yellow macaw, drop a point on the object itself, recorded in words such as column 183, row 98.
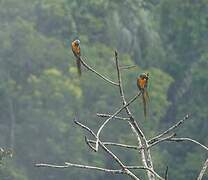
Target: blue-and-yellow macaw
column 75, row 46
column 142, row 82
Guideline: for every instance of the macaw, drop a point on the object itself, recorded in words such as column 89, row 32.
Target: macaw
column 75, row 46
column 142, row 82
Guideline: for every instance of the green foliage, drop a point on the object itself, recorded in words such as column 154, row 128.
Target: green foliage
column 12, row 172
column 184, row 28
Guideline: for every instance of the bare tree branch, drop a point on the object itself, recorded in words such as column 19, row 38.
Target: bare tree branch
column 171, row 138
column 51, row 165
column 89, row 144
column 113, row 171
column 119, row 171
column 127, row 67
column 140, row 143
column 116, row 144
column 188, row 139
column 115, row 117
column 112, row 116
column 98, row 74
column 67, row 165
column 162, row 139
column 154, row 139
column 204, row 167
column 84, row 127
column 108, row 151
column 146, row 157
column 126, row 171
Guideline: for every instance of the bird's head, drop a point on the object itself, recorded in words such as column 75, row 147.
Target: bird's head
column 77, row 42
column 144, row 75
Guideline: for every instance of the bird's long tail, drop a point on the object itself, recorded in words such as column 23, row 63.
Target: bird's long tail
column 144, row 99
column 79, row 66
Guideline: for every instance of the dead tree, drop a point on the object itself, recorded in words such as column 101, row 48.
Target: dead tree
column 143, row 146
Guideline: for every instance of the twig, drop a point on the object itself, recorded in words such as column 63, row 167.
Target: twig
column 114, row 171
column 98, row 74
column 162, row 139
column 88, row 129
column 84, row 127
column 188, row 139
column 92, row 133
column 112, row 116
column 171, row 138
column 154, row 139
column 204, row 167
column 127, row 67
column 116, row 144
column 89, row 144
column 67, row 165
column 51, row 165
column 116, row 117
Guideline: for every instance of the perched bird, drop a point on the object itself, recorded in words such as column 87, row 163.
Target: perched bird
column 75, row 46
column 142, row 82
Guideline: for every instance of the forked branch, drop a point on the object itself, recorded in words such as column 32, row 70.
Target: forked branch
column 116, row 144
column 110, row 153
column 146, row 157
column 112, row 116
column 156, row 138
column 115, row 117
column 97, row 73
column 188, row 139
